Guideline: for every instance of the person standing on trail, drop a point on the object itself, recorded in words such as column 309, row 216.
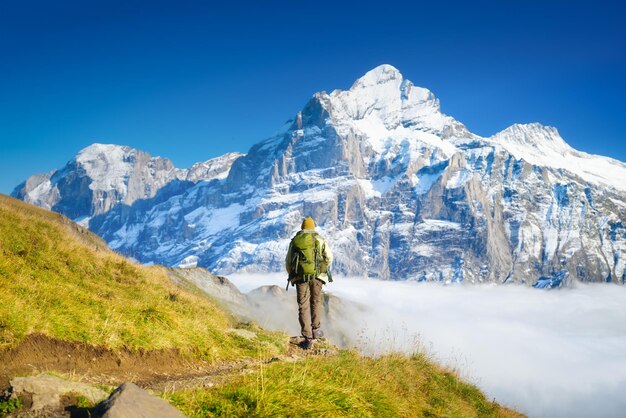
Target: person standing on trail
column 308, row 265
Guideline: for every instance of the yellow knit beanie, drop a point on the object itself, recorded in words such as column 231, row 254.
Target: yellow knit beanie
column 308, row 223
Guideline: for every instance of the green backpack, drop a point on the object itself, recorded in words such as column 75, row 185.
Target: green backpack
column 305, row 253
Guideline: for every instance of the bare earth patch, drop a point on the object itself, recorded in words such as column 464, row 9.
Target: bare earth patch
column 157, row 370
column 41, row 353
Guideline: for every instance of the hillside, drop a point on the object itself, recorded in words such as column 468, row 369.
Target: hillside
column 71, row 306
column 61, row 281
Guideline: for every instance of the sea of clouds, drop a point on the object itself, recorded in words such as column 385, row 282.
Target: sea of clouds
column 556, row 353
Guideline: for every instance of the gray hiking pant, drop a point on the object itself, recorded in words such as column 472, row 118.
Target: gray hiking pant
column 309, row 306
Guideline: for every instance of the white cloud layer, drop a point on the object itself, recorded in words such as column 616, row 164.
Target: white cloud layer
column 559, row 353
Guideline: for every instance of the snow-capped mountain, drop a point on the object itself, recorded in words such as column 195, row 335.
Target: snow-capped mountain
column 102, row 176
column 400, row 190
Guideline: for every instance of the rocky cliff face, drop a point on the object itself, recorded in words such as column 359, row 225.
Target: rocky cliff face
column 400, row 190
column 102, row 176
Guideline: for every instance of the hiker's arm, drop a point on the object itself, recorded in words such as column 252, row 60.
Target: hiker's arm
column 328, row 256
column 288, row 260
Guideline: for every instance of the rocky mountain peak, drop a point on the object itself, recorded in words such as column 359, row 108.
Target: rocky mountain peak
column 534, row 134
column 543, row 146
column 382, row 91
column 215, row 168
column 96, row 150
column 380, row 75
column 383, row 104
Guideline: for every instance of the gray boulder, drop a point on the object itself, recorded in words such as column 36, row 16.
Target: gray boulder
column 130, row 401
column 46, row 391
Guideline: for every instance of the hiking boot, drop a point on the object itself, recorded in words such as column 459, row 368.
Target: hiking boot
column 306, row 344
column 317, row 333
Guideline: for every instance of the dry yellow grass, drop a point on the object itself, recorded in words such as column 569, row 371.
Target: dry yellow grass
column 60, row 280
column 346, row 385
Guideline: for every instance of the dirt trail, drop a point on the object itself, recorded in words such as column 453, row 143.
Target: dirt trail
column 158, row 370
column 41, row 353
column 223, row 372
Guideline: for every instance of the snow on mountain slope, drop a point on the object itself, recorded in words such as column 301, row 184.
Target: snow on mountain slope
column 401, row 190
column 384, row 106
column 215, row 168
column 102, row 176
column 543, row 146
column 109, row 167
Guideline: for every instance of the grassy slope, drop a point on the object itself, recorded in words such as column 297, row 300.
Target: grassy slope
column 60, row 280
column 394, row 385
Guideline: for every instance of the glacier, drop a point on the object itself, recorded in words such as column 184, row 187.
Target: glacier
column 401, row 191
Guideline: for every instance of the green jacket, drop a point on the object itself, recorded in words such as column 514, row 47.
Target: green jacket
column 327, row 256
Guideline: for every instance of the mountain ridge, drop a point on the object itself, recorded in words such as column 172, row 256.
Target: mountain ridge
column 109, row 174
column 401, row 189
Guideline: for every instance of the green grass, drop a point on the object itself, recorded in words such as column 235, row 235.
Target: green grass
column 9, row 406
column 62, row 281
column 345, row 385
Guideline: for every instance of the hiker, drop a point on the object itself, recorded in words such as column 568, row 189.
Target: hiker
column 308, row 261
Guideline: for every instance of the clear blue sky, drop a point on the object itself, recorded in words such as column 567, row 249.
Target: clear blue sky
column 191, row 81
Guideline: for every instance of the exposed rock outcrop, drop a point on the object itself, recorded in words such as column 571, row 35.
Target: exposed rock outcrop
column 45, row 391
column 272, row 307
column 130, row 401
